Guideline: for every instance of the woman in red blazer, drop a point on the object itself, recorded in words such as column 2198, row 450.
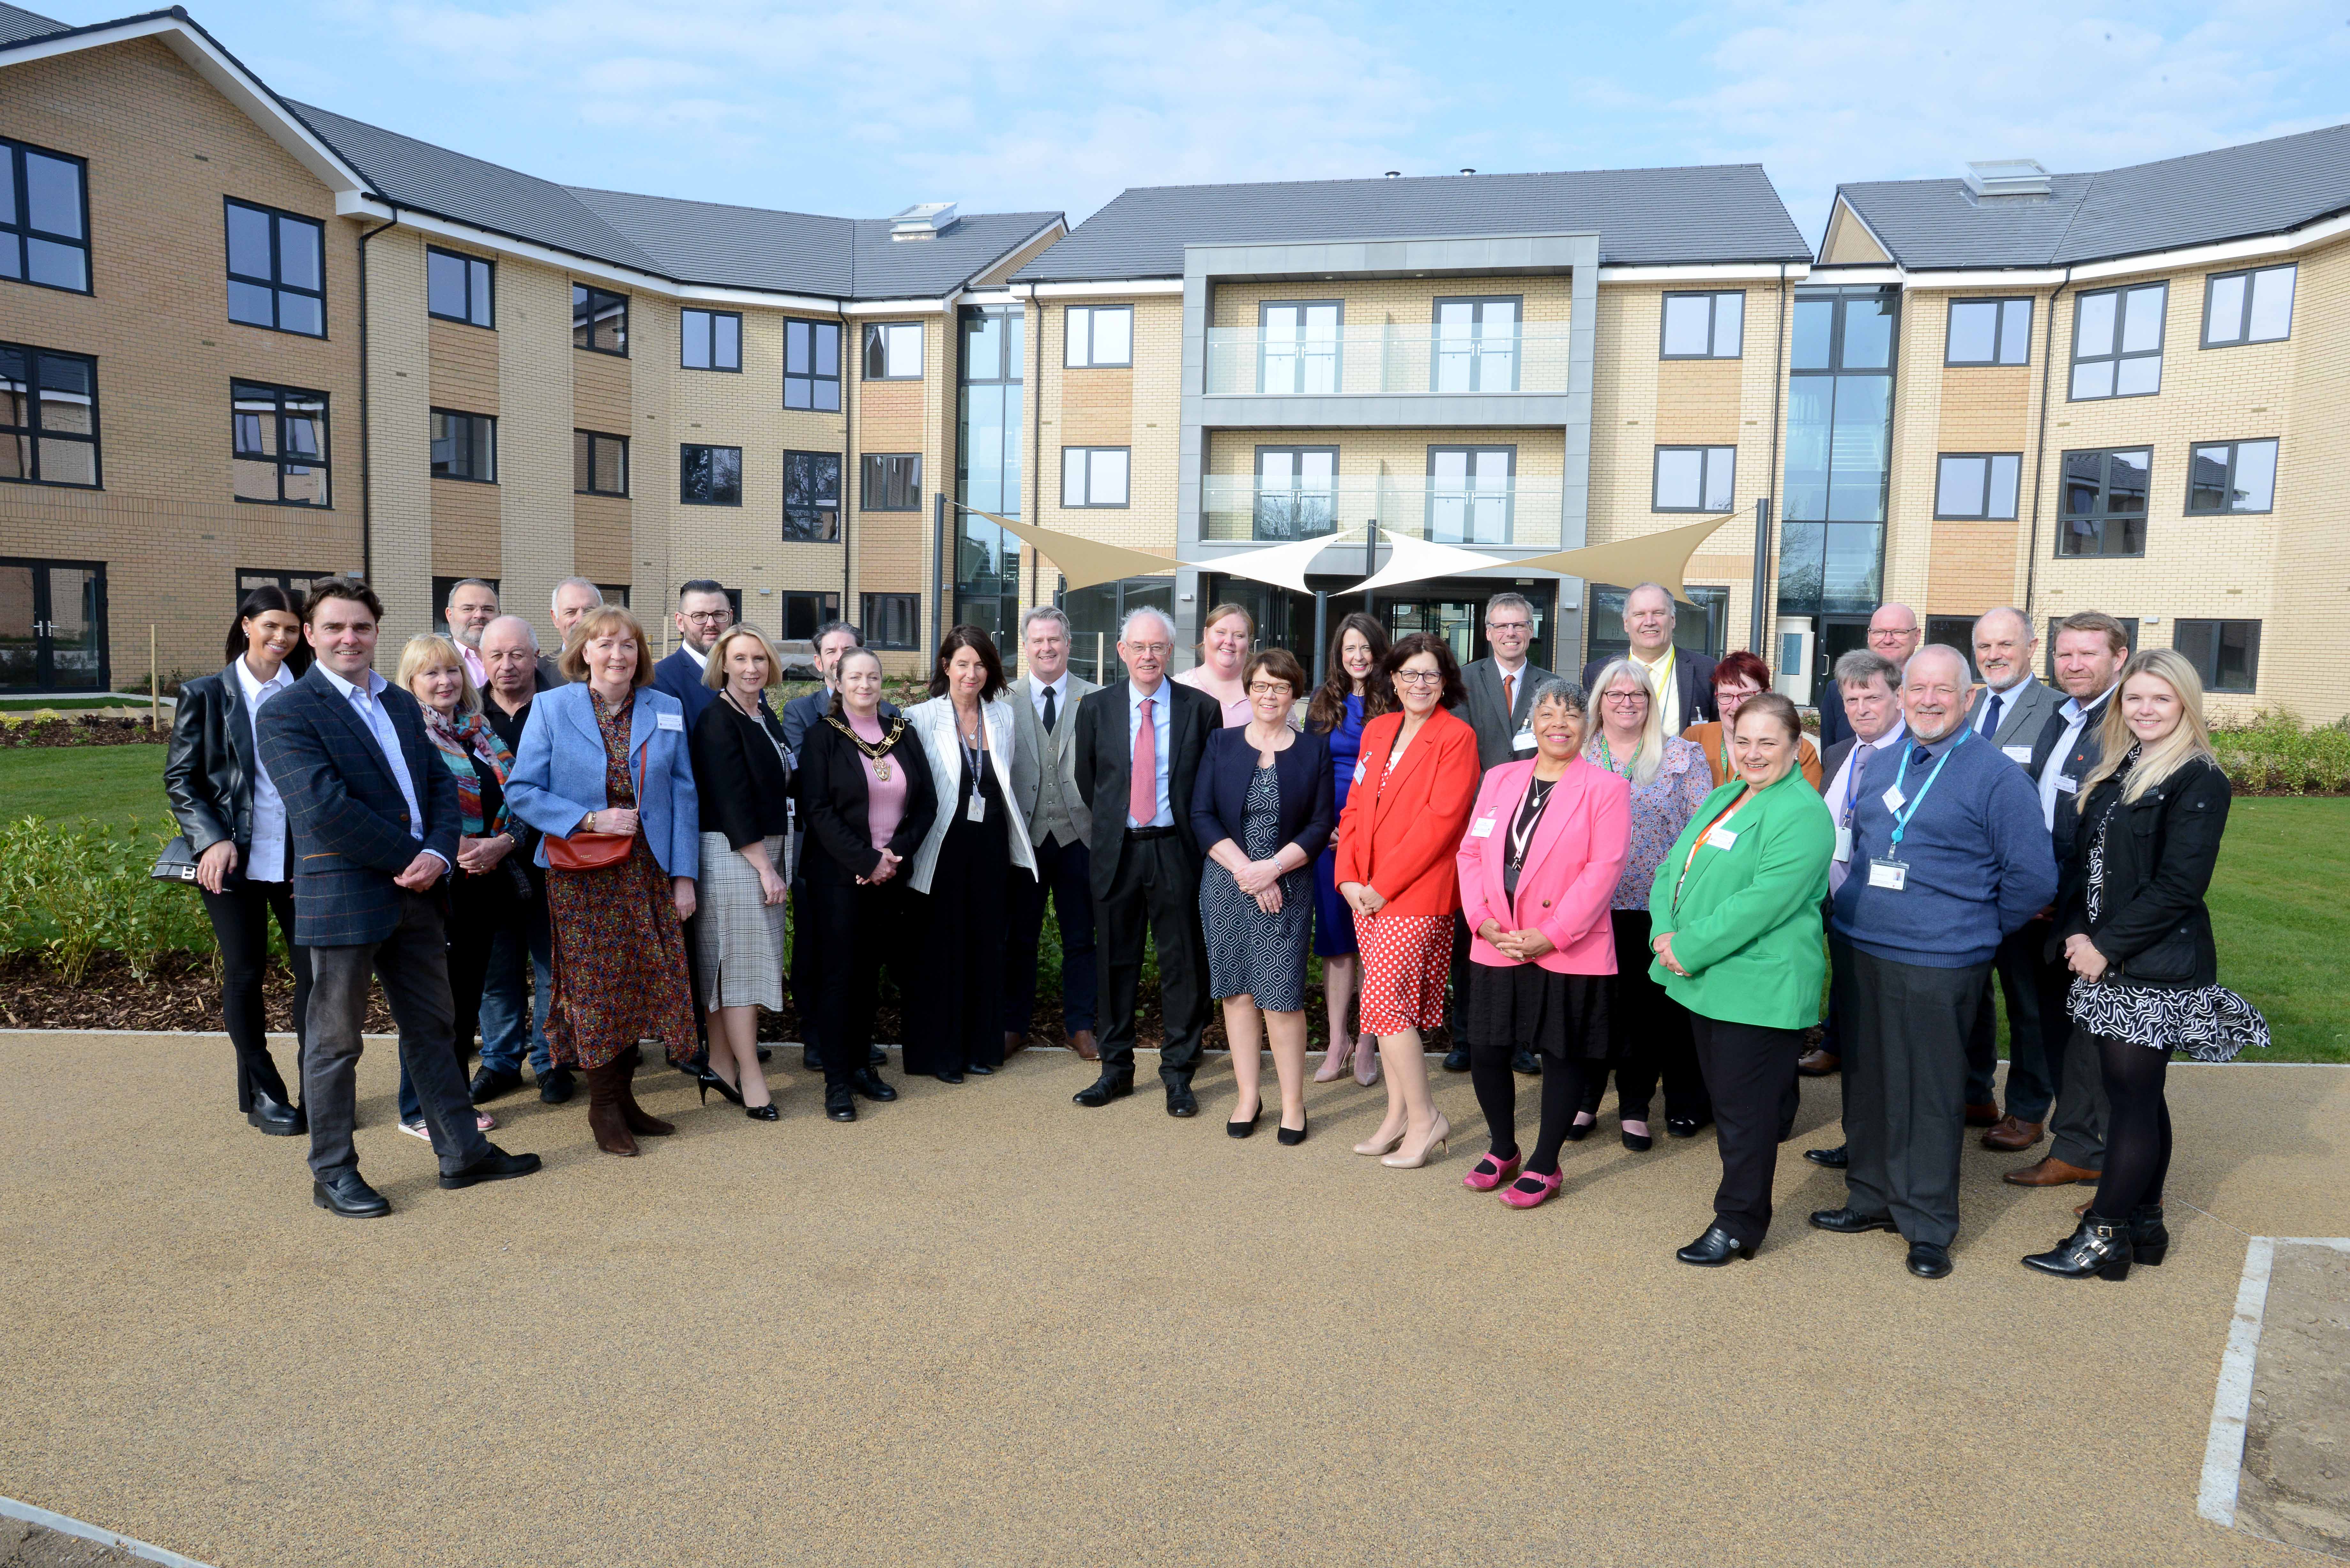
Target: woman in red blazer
column 1538, row 870
column 1397, row 839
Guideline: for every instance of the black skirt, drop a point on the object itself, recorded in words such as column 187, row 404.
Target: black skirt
column 1561, row 1015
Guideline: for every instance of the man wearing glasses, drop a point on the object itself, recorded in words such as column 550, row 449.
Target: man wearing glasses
column 702, row 612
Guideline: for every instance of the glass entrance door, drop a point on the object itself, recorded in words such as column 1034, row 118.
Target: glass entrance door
column 52, row 626
column 1460, row 622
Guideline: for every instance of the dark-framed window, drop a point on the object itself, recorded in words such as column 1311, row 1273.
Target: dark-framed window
column 1699, row 624
column 1094, row 475
column 277, row 445
column 2231, row 476
column 890, row 481
column 2048, row 643
column 1989, row 332
column 812, row 366
column 599, row 320
column 2105, row 502
column 893, row 350
column 812, row 497
column 1097, row 613
column 277, row 269
column 1470, row 494
column 1977, row 485
column 1476, row 347
column 442, row 587
column 1093, row 336
column 464, row 446
column 2117, row 342
column 803, row 614
column 2225, row 653
column 459, row 287
column 1695, row 479
column 892, row 621
column 2250, row 307
column 1298, row 346
column 599, row 464
column 1704, row 325
column 614, row 593
column 709, row 339
column 44, row 217
column 49, row 417
column 1954, row 631
column 1296, row 491
column 710, row 476
column 295, row 583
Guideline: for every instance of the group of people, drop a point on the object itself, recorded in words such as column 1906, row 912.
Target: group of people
column 1652, row 873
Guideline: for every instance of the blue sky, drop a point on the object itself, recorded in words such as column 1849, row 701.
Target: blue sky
column 861, row 107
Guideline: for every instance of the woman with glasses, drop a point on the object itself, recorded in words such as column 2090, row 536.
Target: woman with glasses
column 1260, row 808
column 1739, row 676
column 1355, row 693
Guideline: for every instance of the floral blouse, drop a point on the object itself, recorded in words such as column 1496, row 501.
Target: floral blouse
column 1660, row 809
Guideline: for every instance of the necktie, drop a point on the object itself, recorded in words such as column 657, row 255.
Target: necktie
column 1991, row 713
column 1509, row 694
column 1051, row 714
column 1142, row 789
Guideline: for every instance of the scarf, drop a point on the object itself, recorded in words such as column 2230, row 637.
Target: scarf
column 461, row 743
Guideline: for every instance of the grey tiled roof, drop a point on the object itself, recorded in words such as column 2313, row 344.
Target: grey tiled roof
column 1725, row 212
column 16, row 26
column 2235, row 192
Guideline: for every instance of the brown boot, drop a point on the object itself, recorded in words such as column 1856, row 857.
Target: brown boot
column 603, row 1117
column 1985, row 1114
column 2050, row 1172
column 1082, row 1041
column 2012, row 1135
column 640, row 1121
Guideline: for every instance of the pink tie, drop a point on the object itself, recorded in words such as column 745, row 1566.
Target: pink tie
column 1142, row 792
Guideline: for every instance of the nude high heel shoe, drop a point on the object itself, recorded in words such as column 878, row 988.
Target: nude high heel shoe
column 1334, row 1063
column 1412, row 1159
column 1378, row 1145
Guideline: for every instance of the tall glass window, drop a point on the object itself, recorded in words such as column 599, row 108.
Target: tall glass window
column 987, row 469
column 1839, row 440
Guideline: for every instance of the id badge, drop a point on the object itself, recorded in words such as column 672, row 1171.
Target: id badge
column 1362, row 771
column 2068, row 783
column 1891, row 874
column 1894, row 799
column 669, row 721
column 1844, row 845
column 1721, row 838
column 1523, row 741
column 1483, row 828
column 2018, row 755
column 978, row 811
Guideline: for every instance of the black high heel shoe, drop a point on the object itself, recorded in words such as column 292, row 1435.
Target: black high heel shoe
column 766, row 1112
column 1291, row 1136
column 707, row 1080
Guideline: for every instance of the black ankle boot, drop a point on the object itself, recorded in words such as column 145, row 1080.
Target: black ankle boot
column 2149, row 1240
column 2096, row 1246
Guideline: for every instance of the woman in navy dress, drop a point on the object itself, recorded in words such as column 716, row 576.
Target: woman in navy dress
column 1355, row 692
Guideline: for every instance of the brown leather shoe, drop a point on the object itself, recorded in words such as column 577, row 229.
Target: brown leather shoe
column 1818, row 1063
column 2011, row 1136
column 1013, row 1045
column 2050, row 1172
column 1082, row 1042
column 1985, row 1114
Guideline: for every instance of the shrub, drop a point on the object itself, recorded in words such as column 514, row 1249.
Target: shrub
column 2273, row 754
column 72, row 891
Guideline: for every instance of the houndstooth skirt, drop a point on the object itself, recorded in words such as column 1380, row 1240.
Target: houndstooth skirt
column 739, row 940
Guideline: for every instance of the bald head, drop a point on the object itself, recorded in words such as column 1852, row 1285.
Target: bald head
column 1893, row 633
column 2004, row 645
column 510, row 654
column 1934, row 690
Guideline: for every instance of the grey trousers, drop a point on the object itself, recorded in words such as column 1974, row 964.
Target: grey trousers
column 413, row 964
column 2078, row 1124
column 1905, row 1091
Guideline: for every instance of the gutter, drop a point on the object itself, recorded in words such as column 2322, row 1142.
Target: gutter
column 367, row 425
column 2040, row 451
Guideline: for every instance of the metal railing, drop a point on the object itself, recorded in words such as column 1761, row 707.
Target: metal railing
column 1239, row 508
column 1243, row 361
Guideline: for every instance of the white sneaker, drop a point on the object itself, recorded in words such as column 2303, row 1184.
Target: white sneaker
column 417, row 1129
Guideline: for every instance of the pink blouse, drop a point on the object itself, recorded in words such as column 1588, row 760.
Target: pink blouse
column 1236, row 711
column 885, row 805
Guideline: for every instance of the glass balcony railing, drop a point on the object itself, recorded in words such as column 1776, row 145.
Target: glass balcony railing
column 1237, row 508
column 1247, row 362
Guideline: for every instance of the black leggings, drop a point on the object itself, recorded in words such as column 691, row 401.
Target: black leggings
column 240, row 919
column 1497, row 1096
column 2137, row 1130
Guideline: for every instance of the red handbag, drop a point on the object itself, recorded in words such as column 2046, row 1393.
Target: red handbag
column 595, row 851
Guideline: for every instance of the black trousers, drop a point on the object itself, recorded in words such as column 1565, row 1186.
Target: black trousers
column 2077, row 1123
column 1156, row 893
column 857, row 929
column 1648, row 1038
column 480, row 908
column 2031, row 1046
column 1458, row 1012
column 1750, row 1071
column 808, row 974
column 1065, row 874
column 240, row 918
column 1905, row 1089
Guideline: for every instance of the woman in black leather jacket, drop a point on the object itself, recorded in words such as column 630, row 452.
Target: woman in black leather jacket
column 237, row 825
column 2137, row 936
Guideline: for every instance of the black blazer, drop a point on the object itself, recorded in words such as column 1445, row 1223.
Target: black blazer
column 739, row 776
column 208, row 768
column 834, row 796
column 1692, row 677
column 1105, row 766
column 1834, row 725
column 1308, row 798
column 2074, row 764
column 2159, row 854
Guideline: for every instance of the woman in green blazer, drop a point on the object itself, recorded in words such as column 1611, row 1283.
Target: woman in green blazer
column 1734, row 922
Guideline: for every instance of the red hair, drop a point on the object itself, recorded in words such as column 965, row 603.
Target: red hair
column 1738, row 666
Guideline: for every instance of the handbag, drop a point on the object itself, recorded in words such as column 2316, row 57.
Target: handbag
column 595, row 851
column 175, row 862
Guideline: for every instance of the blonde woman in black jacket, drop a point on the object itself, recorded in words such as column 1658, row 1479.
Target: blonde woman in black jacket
column 2137, row 936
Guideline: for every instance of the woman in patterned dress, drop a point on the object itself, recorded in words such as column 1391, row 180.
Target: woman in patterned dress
column 608, row 754
column 1355, row 692
column 1410, row 799
column 2137, row 936
column 1261, row 807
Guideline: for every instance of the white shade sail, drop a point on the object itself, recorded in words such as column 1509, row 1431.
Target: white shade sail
column 1283, row 565
column 1413, row 560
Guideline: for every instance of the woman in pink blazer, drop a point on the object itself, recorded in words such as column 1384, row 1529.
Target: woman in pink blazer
column 1538, row 867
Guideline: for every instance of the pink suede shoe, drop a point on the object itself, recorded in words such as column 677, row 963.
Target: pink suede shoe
column 1488, row 1173
column 1518, row 1195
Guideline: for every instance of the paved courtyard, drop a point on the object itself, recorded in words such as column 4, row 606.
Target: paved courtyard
column 984, row 1326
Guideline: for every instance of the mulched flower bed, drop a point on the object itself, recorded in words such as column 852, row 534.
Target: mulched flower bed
column 83, row 730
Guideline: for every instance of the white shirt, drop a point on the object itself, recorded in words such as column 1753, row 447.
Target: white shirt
column 2007, row 702
column 1060, row 690
column 1847, row 779
column 1163, row 741
column 2076, row 719
column 701, row 661
column 366, row 702
column 264, row 858
column 1663, row 690
column 473, row 666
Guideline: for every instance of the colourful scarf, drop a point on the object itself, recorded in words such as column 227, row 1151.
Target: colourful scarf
column 461, row 743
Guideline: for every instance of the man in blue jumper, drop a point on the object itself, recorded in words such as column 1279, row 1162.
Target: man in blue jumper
column 1948, row 856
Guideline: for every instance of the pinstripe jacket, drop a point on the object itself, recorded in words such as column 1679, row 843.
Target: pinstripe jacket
column 350, row 821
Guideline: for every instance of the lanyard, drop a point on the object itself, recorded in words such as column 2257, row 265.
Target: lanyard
column 1901, row 818
column 1608, row 756
column 1699, row 841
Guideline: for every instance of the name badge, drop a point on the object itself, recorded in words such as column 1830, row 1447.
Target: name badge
column 1843, row 845
column 669, row 721
column 1894, row 799
column 1483, row 828
column 2068, row 783
column 1523, row 741
column 1721, row 838
column 978, row 811
column 2018, row 755
column 1891, row 874
column 1362, row 771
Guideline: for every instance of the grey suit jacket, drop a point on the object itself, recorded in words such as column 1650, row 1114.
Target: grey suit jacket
column 2026, row 713
column 1039, row 753
column 1497, row 728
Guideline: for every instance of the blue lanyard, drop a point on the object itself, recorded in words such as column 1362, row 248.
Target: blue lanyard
column 1901, row 818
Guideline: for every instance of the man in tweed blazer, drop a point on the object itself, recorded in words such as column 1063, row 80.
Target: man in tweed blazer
column 374, row 818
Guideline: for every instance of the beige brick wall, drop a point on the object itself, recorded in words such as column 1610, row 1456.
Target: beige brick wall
column 891, row 551
column 1138, row 408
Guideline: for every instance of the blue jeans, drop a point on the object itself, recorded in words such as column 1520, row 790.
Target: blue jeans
column 512, row 984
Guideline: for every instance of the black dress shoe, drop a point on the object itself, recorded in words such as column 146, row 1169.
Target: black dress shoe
column 1103, row 1090
column 276, row 1117
column 812, row 1059
column 1291, row 1136
column 351, row 1197
column 1837, row 1158
column 979, row 1069
column 1714, row 1249
column 495, row 1165
column 1181, row 1101
column 872, row 1086
column 1243, row 1130
column 555, row 1086
column 1686, row 1126
column 1929, row 1260
column 1639, row 1143
column 877, row 1057
column 1577, row 1131
column 1525, row 1062
column 766, row 1053
column 491, row 1082
column 1456, row 1059
column 1850, row 1221
column 944, row 1076
column 840, row 1102
column 2099, row 1247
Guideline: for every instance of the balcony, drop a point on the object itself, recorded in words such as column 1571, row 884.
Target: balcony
column 1385, row 360
column 1240, row 509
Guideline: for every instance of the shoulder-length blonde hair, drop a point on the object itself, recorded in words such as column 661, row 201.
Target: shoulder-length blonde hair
column 714, row 668
column 594, row 624
column 431, row 650
column 1649, row 755
column 2165, row 756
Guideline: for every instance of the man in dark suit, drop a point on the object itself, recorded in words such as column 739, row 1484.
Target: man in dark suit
column 1146, row 863
column 1501, row 703
column 573, row 598
column 521, row 978
column 374, row 818
column 1894, row 634
column 1682, row 678
column 702, row 612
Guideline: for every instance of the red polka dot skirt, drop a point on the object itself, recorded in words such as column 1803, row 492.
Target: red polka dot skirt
column 1406, row 959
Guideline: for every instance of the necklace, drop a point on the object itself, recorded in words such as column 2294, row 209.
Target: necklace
column 876, row 751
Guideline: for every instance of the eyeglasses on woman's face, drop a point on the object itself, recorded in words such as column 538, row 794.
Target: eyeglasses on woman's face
column 1420, row 677
column 1270, row 689
column 1626, row 699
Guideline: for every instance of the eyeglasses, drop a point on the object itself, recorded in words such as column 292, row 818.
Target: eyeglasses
column 1420, row 677
column 1270, row 689
column 1627, row 699
column 1509, row 626
column 1161, row 649
column 709, row 618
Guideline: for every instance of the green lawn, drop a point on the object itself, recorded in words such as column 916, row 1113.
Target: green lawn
column 110, row 784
